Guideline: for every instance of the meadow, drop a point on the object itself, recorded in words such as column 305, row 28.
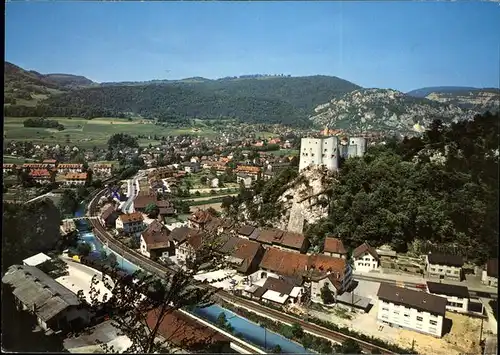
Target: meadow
column 88, row 133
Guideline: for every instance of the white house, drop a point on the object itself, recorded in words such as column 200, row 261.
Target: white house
column 102, row 169
column 490, row 275
column 245, row 178
column 214, row 182
column 70, row 168
column 75, row 179
column 187, row 248
column 414, row 310
column 365, row 258
column 155, row 241
column 444, row 266
column 130, row 222
column 457, row 297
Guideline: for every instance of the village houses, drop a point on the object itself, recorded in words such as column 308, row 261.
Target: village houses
column 334, row 247
column 75, row 179
column 457, row 297
column 155, row 241
column 69, row 168
column 444, row 266
column 365, row 258
column 130, row 222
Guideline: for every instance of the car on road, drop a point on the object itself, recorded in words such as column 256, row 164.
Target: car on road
column 422, row 287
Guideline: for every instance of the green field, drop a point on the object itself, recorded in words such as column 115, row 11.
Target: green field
column 88, row 133
column 9, row 159
column 283, row 152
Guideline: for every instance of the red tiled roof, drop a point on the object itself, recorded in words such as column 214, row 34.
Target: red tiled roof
column 36, row 165
column 270, row 235
column 142, row 201
column 292, row 264
column 334, row 245
column 183, row 331
column 39, row 173
column 293, row 240
column 201, row 216
column 285, row 263
column 70, row 166
column 195, row 241
column 156, row 235
column 248, row 169
column 131, row 217
column 324, row 263
column 76, row 176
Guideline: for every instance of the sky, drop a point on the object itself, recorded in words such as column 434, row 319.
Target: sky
column 398, row 45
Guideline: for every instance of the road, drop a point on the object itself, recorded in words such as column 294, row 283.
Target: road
column 207, row 198
column 132, row 192
column 48, row 194
column 484, row 292
column 160, row 270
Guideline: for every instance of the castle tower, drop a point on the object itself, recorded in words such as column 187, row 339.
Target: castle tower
column 356, row 147
column 319, row 151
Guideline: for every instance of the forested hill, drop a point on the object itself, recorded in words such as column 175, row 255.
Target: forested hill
column 280, row 99
column 436, row 192
column 23, row 87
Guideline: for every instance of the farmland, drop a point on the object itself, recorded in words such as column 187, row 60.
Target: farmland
column 88, row 133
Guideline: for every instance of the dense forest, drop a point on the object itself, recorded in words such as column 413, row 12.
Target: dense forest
column 439, row 190
column 253, row 99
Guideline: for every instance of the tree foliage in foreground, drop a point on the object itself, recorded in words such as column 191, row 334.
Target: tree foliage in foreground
column 29, row 229
column 131, row 301
column 405, row 192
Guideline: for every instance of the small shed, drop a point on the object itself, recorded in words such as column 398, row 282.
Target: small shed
column 37, row 259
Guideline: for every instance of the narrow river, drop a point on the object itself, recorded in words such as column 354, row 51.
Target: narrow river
column 247, row 330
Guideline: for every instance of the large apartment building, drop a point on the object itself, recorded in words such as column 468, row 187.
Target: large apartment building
column 414, row 310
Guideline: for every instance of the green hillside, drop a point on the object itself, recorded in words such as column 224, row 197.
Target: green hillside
column 272, row 99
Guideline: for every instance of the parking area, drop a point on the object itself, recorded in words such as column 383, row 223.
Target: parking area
column 367, row 289
column 226, row 279
column 80, row 277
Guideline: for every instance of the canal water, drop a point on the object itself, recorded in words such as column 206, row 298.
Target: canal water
column 248, row 330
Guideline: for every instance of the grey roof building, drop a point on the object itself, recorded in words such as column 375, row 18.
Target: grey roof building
column 55, row 306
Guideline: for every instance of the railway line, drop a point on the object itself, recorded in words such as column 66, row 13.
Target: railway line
column 149, row 265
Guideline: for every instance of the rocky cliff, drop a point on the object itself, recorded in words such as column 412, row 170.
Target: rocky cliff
column 304, row 201
column 480, row 100
column 385, row 110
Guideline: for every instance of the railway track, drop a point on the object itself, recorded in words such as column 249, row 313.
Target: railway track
column 105, row 238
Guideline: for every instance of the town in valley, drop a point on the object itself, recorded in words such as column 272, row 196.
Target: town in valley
column 251, row 214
